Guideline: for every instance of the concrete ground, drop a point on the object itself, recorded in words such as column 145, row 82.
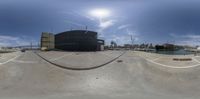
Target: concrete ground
column 167, row 60
column 138, row 76
column 80, row 59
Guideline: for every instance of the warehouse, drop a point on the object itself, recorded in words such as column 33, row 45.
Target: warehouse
column 78, row 40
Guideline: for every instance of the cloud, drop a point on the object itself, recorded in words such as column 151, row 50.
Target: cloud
column 74, row 23
column 123, row 26
column 124, row 38
column 13, row 41
column 133, row 34
column 188, row 42
column 191, row 36
column 188, row 39
column 105, row 24
column 120, row 40
column 186, row 36
column 2, row 37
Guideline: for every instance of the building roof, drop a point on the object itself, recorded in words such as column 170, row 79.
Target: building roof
column 78, row 32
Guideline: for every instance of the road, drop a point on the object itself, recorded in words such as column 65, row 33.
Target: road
column 29, row 76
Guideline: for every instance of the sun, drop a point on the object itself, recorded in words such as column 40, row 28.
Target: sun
column 100, row 13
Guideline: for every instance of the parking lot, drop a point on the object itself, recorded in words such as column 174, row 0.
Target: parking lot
column 26, row 75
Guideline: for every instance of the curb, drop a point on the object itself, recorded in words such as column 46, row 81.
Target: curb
column 87, row 68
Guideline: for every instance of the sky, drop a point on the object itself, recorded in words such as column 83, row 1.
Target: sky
column 155, row 21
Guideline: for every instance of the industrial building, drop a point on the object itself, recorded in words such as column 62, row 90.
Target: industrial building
column 74, row 40
column 78, row 40
column 47, row 41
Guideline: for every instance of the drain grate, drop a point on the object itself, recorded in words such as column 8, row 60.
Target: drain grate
column 119, row 61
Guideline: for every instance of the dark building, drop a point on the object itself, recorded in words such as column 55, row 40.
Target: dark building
column 78, row 40
column 165, row 47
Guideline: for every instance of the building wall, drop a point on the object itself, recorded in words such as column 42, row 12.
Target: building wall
column 47, row 41
column 76, row 40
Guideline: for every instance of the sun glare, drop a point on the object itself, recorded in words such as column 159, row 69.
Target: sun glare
column 100, row 13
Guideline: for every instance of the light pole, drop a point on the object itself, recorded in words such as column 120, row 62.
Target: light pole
column 31, row 45
column 131, row 42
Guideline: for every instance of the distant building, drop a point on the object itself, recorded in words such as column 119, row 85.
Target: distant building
column 198, row 48
column 78, row 40
column 128, row 45
column 100, row 45
column 166, row 47
column 47, row 41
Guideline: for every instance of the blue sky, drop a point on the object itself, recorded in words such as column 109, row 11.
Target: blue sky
column 157, row 22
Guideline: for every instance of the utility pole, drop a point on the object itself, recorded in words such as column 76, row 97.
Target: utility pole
column 86, row 28
column 31, row 45
column 131, row 42
column 38, row 45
